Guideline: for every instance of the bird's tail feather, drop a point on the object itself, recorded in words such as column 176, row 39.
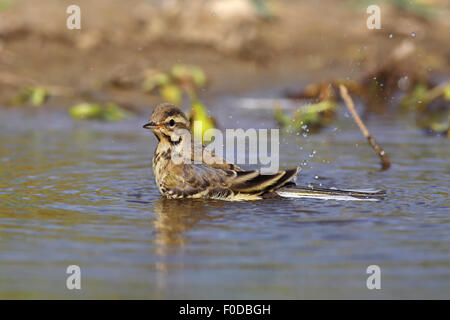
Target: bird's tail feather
column 331, row 194
column 256, row 183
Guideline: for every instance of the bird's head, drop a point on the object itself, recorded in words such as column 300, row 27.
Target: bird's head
column 168, row 122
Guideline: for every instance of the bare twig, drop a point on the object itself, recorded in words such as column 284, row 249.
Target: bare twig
column 385, row 162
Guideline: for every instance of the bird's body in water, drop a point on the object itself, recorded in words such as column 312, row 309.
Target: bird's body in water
column 178, row 176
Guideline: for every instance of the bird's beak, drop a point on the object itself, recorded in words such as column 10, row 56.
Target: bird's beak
column 150, row 125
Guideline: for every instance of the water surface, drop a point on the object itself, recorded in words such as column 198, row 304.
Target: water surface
column 83, row 193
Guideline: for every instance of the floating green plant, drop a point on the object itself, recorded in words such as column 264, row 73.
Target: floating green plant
column 190, row 76
column 416, row 99
column 422, row 97
column 435, row 123
column 155, row 79
column 431, row 105
column 94, row 111
column 86, row 110
column 36, row 96
column 171, row 84
column 309, row 118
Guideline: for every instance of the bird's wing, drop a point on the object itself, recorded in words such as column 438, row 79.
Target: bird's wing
column 196, row 180
column 252, row 182
column 201, row 180
column 209, row 157
column 219, row 162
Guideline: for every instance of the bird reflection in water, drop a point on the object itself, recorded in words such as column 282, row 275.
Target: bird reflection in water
column 176, row 217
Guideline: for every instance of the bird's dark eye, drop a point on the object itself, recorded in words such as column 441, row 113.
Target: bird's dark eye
column 171, row 122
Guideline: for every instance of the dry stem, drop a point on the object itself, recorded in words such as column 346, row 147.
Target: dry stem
column 385, row 162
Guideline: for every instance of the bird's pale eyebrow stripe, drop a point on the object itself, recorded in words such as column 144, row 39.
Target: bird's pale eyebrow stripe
column 171, row 113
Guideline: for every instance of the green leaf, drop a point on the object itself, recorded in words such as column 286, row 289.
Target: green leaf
column 38, row 96
column 447, row 92
column 95, row 111
column 188, row 73
column 309, row 117
column 199, row 77
column 83, row 111
column 113, row 112
column 157, row 79
column 35, row 96
column 171, row 93
column 200, row 120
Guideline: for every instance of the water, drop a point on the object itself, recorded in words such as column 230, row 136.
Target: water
column 83, row 193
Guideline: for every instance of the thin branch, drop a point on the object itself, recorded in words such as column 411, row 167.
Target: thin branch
column 385, row 162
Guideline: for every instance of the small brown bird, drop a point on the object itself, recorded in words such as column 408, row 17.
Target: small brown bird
column 216, row 179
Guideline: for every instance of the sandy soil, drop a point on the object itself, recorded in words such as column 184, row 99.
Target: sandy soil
column 120, row 39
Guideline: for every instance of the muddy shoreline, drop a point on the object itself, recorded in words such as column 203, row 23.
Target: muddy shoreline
column 237, row 50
